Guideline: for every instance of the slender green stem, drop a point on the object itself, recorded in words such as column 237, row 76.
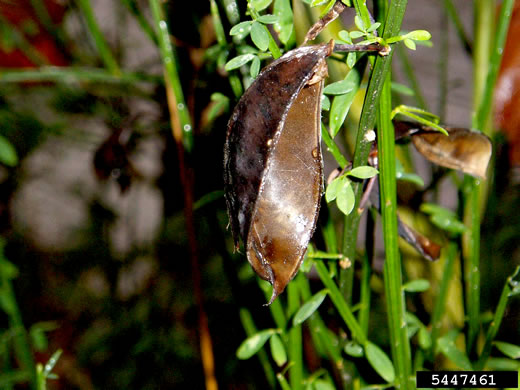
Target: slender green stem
column 366, row 124
column 179, row 107
column 454, row 16
column 340, row 303
column 486, row 102
column 73, row 75
column 442, row 65
column 332, row 147
column 440, row 303
column 497, row 319
column 410, row 74
column 145, row 26
column 101, row 44
column 295, row 337
column 14, row 317
column 395, row 301
column 20, row 42
column 250, row 328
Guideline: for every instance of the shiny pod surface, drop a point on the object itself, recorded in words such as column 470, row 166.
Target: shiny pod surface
column 273, row 164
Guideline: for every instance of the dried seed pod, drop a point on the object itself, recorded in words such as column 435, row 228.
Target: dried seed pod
column 463, row 149
column 273, row 163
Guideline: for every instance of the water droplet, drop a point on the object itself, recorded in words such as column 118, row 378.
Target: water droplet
column 162, row 24
column 269, row 143
column 187, row 128
column 180, row 106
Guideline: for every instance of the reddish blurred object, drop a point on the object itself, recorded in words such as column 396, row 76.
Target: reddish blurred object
column 507, row 90
column 20, row 14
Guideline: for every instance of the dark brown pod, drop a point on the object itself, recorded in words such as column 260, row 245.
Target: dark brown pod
column 463, row 149
column 273, row 163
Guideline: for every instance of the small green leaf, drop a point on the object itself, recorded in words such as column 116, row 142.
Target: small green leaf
column 221, row 104
column 322, row 384
column 432, row 209
column 353, row 349
column 238, row 61
column 268, row 19
column 241, row 29
column 260, row 5
column 252, row 344
column 351, row 59
column 345, row 36
column 8, row 155
column 447, row 346
column 284, row 27
column 359, row 23
column 380, row 362
column 315, row 3
column 260, row 36
column 346, row 199
column 374, row 27
column 278, row 350
column 417, row 285
column 402, row 89
column 425, row 339
column 334, row 187
column 325, row 103
column 255, row 67
column 418, row 35
column 356, row 34
column 510, row 350
column 339, row 87
column 409, row 44
column 309, row 307
column 410, row 177
column 450, row 224
column 363, row 172
column 51, row 363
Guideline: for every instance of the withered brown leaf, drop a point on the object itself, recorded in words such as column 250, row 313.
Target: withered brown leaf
column 273, row 163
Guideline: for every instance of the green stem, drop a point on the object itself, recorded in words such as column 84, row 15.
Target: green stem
column 454, row 16
column 332, row 147
column 14, row 317
column 73, row 75
column 250, row 328
column 497, row 319
column 340, row 303
column 440, row 302
column 395, row 301
column 366, row 124
column 410, row 74
column 145, row 26
column 179, row 108
column 295, row 337
column 99, row 39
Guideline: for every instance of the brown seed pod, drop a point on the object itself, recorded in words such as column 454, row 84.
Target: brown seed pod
column 273, row 163
column 463, row 149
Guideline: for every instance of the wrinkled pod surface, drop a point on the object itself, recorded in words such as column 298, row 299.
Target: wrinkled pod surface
column 273, row 163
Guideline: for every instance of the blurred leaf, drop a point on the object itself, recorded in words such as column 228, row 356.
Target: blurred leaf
column 322, row 384
column 353, row 349
column 51, row 363
column 7, row 269
column 363, row 172
column 309, row 307
column 278, row 350
column 345, row 36
column 402, row 89
column 410, row 44
column 242, row 29
column 359, row 23
column 418, row 285
column 373, row 27
column 446, row 345
column 315, row 3
column 260, row 5
column 510, row 350
column 8, row 155
column 252, row 344
column 268, row 19
column 325, row 103
column 284, row 26
column 238, row 61
column 449, row 223
column 356, row 34
column 260, row 36
column 419, row 35
column 425, row 339
column 255, row 67
column 351, row 59
column 220, row 105
column 380, row 362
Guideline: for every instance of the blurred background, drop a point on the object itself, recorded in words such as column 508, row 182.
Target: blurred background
column 93, row 222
